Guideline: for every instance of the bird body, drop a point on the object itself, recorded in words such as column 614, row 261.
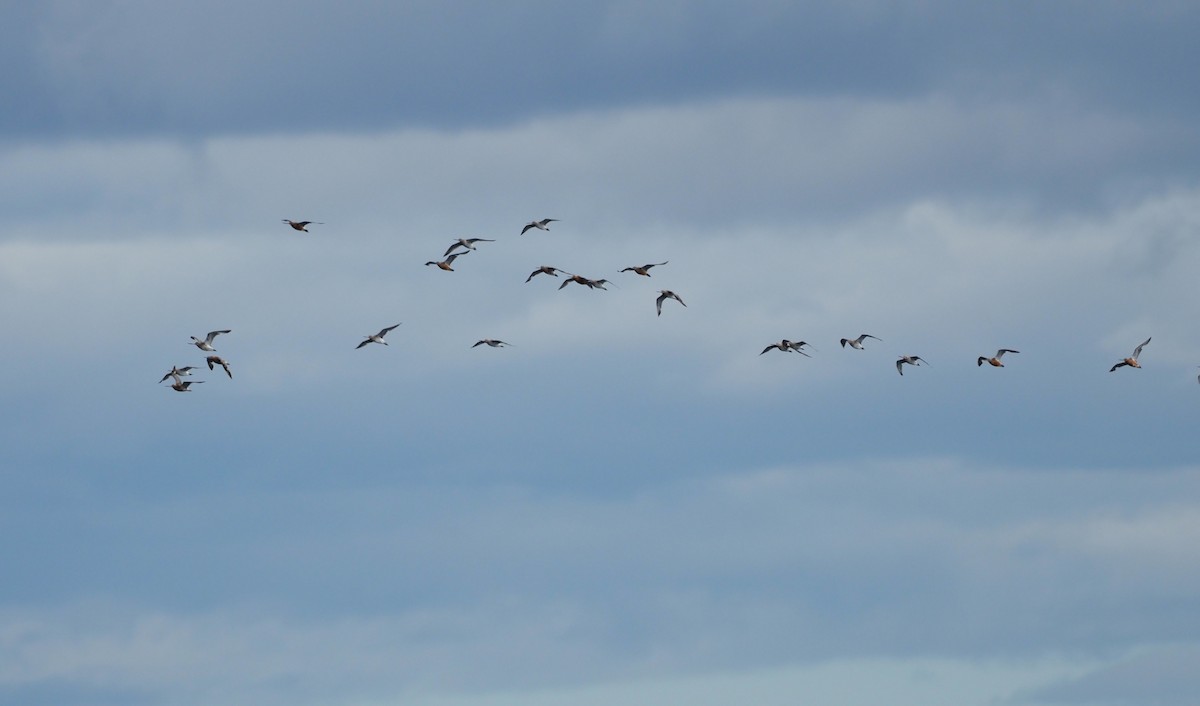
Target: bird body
column 215, row 360
column 206, row 344
column 301, row 225
column 664, row 294
column 491, row 342
column 580, row 279
column 857, row 343
column 177, row 372
column 913, row 360
column 787, row 347
column 994, row 361
column 544, row 270
column 183, row 385
column 375, row 338
column 1131, row 361
column 467, row 243
column 543, row 224
column 444, row 264
column 644, row 270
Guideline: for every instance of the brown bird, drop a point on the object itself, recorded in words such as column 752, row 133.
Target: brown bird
column 644, row 270
column 1131, row 361
column 544, row 270
column 183, row 385
column 215, row 360
column 579, row 279
column 300, row 225
column 994, row 361
column 667, row 294
column 543, row 224
column 445, row 264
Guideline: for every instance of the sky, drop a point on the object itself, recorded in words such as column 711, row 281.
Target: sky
column 619, row 507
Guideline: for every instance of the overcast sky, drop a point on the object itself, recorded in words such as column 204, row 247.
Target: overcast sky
column 620, row 507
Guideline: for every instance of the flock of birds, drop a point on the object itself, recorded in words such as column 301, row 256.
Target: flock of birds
column 462, row 246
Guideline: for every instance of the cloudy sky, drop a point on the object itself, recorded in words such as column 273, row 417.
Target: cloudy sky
column 620, row 507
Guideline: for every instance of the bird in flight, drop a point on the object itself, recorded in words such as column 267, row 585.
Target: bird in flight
column 215, row 360
column 206, row 344
column 544, row 270
column 994, row 361
column 1131, row 361
column 445, row 264
column 183, row 385
column 468, row 243
column 857, row 343
column 664, row 294
column 580, row 279
column 302, row 225
column 491, row 342
column 543, row 224
column 788, row 346
column 376, row 338
column 913, row 360
column 644, row 270
column 176, row 372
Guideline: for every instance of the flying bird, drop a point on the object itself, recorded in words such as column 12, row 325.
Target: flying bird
column 543, row 224
column 176, row 372
column 579, row 279
column 206, row 344
column 445, row 264
column 857, row 343
column 1131, row 361
column 491, row 342
column 644, row 270
column 544, row 270
column 183, row 385
column 376, row 338
column 994, row 361
column 913, row 360
column 667, row 294
column 215, row 360
column 301, row 225
column 468, row 243
column 788, row 346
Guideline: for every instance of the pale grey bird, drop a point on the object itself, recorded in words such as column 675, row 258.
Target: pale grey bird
column 376, row 338
column 543, row 224
column 215, row 360
column 857, row 343
column 664, row 294
column 910, row 360
column 176, row 372
column 491, row 342
column 183, row 385
column 467, row 243
column 206, row 344
column 994, row 361
column 1131, row 361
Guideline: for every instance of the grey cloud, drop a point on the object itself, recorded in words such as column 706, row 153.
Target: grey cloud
column 1160, row 676
column 229, row 68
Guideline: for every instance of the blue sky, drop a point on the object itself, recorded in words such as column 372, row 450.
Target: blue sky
column 620, row 507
